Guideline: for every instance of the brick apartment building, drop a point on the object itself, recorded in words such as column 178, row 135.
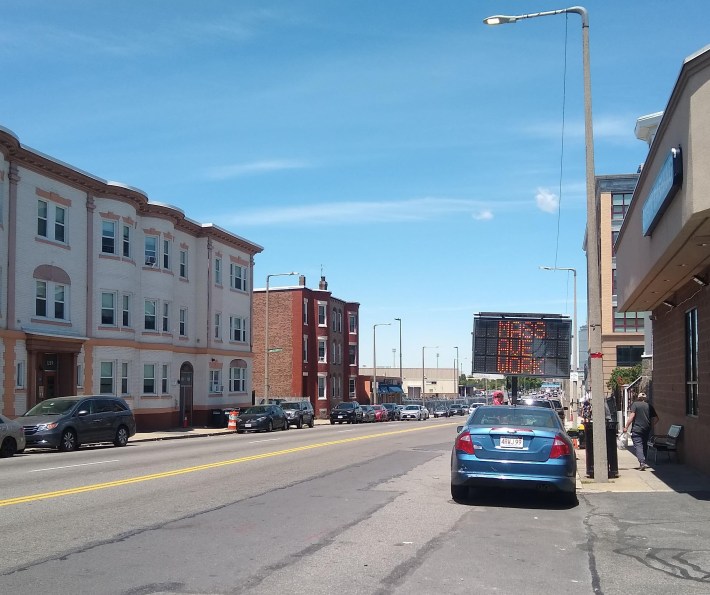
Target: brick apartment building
column 313, row 345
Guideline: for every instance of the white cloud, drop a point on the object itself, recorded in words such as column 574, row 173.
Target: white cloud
column 546, row 201
column 483, row 215
column 223, row 172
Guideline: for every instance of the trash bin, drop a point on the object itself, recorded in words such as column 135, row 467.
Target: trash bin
column 612, row 458
column 218, row 419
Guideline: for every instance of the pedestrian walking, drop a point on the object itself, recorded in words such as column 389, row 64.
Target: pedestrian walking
column 498, row 397
column 642, row 418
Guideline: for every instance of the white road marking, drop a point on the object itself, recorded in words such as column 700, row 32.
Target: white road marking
column 78, row 465
column 265, row 440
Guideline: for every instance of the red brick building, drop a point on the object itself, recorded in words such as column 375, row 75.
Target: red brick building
column 313, row 345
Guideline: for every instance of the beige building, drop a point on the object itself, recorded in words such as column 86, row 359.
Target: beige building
column 438, row 382
column 663, row 259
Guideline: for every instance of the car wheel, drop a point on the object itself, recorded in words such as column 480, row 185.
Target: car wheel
column 299, row 423
column 459, row 493
column 121, row 438
column 240, row 431
column 68, row 441
column 8, row 448
column 270, row 426
column 287, row 425
column 568, row 498
column 332, row 423
column 312, row 422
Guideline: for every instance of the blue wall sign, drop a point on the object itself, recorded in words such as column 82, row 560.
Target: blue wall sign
column 665, row 186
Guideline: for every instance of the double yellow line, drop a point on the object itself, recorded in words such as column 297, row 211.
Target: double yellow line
column 164, row 474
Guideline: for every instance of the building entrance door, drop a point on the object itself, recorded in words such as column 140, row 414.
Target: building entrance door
column 186, row 403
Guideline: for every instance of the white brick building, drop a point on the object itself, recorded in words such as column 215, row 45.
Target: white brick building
column 102, row 291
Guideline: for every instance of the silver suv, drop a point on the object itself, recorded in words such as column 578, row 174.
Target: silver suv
column 299, row 413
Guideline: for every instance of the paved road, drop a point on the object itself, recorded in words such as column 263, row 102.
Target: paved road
column 351, row 509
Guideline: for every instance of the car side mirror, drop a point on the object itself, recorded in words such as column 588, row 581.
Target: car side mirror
column 458, row 429
column 83, row 412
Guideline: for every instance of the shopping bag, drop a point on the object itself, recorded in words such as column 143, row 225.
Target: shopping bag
column 622, row 441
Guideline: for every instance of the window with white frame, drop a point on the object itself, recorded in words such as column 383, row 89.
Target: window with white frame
column 237, row 329
column 165, row 326
column 106, row 378
column 108, row 237
column 322, row 388
column 149, row 379
column 164, row 379
column 352, row 355
column 166, row 254
column 322, row 351
column 183, row 264
column 218, row 325
column 108, row 308
column 50, row 300
column 218, row 271
column 305, row 349
column 151, row 250
column 237, row 277
column 352, row 382
column 126, row 310
column 334, row 321
column 183, row 322
column 149, row 321
column 322, row 316
column 352, row 322
column 20, row 374
column 340, row 320
column 51, row 221
column 339, row 349
column 333, row 353
column 216, row 381
column 305, row 310
column 124, row 378
column 237, row 376
column 126, row 241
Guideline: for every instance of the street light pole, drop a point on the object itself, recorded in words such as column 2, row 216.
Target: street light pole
column 423, row 380
column 458, row 392
column 575, row 344
column 400, row 349
column 266, row 332
column 373, row 400
column 594, row 314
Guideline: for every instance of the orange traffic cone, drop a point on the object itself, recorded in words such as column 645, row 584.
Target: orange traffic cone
column 575, row 443
column 232, row 420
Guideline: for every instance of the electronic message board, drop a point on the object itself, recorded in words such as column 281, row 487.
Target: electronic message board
column 522, row 344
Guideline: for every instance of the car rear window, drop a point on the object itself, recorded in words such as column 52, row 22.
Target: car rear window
column 514, row 416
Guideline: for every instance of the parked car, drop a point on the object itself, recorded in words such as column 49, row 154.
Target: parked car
column 557, row 406
column 368, row 414
column 347, row 412
column 513, row 447
column 66, row 423
column 380, row 413
column 262, row 418
column 473, row 406
column 418, row 412
column 299, row 413
column 536, row 403
column 457, row 409
column 12, row 437
column 441, row 410
column 393, row 411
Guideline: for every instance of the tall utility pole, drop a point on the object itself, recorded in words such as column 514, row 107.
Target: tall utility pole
column 400, row 349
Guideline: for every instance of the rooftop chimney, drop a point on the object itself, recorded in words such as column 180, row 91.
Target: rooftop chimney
column 302, row 280
column 323, row 285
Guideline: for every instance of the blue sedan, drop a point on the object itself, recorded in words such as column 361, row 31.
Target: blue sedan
column 513, row 447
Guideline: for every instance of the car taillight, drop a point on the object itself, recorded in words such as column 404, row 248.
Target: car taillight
column 559, row 448
column 464, row 443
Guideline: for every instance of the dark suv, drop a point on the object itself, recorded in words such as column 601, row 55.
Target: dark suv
column 68, row 422
column 349, row 413
column 393, row 412
column 299, row 413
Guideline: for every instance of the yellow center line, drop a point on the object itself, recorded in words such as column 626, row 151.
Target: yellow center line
column 184, row 470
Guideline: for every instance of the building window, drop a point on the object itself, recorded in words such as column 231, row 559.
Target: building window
column 108, row 237
column 218, row 325
column 339, row 349
column 352, row 322
column 124, row 378
column 183, row 322
column 106, row 380
column 166, row 317
column 126, row 241
column 126, row 310
column 164, row 379
column 334, row 322
column 20, row 375
column 691, row 362
column 50, row 300
column 628, row 322
column 80, row 375
column 322, row 351
column 322, row 388
column 149, row 379
column 237, row 329
column 166, row 254
column 237, row 277
column 305, row 349
column 627, row 356
column 237, row 378
column 352, row 355
column 351, row 388
column 340, row 321
column 151, row 251
column 322, row 318
column 218, row 271
column 305, row 310
column 183, row 264
column 216, row 381
column 108, row 309
column 151, row 308
column 620, row 204
column 333, row 353
column 51, row 218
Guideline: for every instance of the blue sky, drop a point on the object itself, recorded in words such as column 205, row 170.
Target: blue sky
column 408, row 151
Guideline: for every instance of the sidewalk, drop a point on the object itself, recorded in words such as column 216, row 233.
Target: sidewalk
column 663, row 476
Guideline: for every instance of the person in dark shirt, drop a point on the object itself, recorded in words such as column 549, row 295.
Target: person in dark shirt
column 642, row 418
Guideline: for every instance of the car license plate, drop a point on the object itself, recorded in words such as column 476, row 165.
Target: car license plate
column 340, row 417
column 506, row 442
column 247, row 425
